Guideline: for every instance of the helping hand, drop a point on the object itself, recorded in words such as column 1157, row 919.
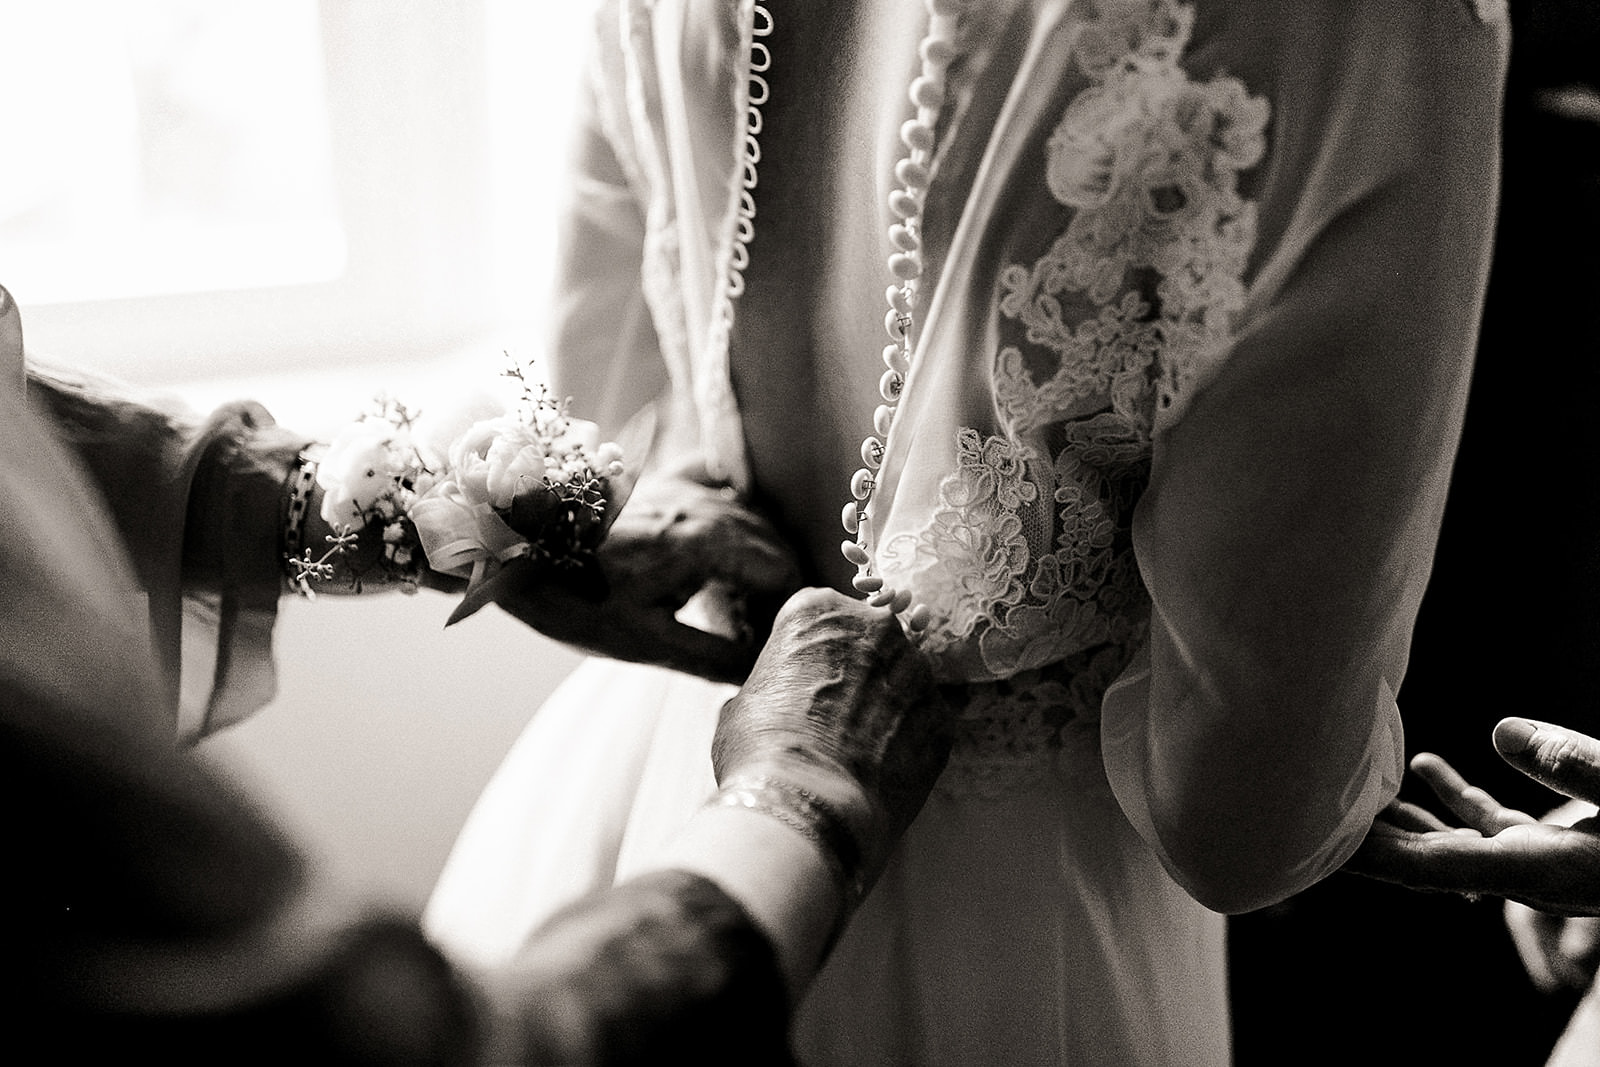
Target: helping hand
column 1500, row 851
column 675, row 537
column 839, row 703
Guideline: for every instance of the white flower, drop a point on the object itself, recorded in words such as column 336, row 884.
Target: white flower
column 468, row 463
column 359, row 471
column 608, row 458
column 496, row 458
column 580, row 436
column 516, row 461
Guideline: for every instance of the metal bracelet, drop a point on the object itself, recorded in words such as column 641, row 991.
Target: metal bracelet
column 297, row 500
column 808, row 815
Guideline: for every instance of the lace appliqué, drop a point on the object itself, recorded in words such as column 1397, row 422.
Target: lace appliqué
column 1028, row 559
column 1022, row 606
column 1148, row 160
column 1015, row 733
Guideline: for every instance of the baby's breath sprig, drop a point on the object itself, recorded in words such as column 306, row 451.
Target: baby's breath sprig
column 582, row 484
column 394, row 411
column 307, row 570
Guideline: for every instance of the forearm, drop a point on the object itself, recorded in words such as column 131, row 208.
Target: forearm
column 1260, row 735
column 1286, row 538
column 665, row 967
column 139, row 452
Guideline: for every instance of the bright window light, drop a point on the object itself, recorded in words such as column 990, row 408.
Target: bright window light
column 164, row 146
column 203, row 190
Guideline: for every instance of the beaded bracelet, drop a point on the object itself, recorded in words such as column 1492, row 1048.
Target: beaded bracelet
column 808, row 815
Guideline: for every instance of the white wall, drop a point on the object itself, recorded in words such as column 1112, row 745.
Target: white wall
column 387, row 727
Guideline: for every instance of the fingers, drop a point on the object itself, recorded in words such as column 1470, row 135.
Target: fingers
column 804, row 607
column 638, row 634
column 746, row 551
column 1419, row 859
column 711, row 656
column 1473, row 806
column 1412, row 817
column 1401, row 847
column 844, row 675
column 1556, row 951
column 696, row 537
column 1447, row 861
column 1565, row 760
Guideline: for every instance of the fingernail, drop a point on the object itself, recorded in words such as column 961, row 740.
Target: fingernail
column 1514, row 736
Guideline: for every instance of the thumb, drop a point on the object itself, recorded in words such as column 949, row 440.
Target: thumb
column 1564, row 760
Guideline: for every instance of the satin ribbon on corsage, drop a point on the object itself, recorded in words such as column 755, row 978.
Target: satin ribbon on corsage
column 524, row 495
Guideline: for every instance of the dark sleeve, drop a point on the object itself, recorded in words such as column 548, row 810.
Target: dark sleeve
column 155, row 914
column 197, row 502
column 665, row 968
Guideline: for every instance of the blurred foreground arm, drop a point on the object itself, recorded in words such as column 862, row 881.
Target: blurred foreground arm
column 178, row 922
column 824, row 758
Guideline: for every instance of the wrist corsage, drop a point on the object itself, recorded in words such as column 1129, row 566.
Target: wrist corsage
column 530, row 489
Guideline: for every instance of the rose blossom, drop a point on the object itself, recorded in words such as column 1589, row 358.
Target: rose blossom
column 494, row 458
column 468, row 458
column 516, row 458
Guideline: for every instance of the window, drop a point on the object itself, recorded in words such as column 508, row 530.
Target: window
column 195, row 188
column 172, row 146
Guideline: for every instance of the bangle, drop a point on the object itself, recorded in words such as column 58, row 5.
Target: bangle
column 808, row 815
column 297, row 500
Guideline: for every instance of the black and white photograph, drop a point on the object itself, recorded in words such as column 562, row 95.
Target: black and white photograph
column 813, row 533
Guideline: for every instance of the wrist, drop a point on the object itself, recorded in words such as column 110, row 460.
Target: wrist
column 830, row 814
column 842, row 815
column 320, row 555
column 233, row 522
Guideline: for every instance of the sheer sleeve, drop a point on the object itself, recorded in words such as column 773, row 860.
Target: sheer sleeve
column 1288, row 528
column 197, row 503
column 603, row 348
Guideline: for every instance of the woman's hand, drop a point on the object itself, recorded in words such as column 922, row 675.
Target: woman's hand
column 1499, row 851
column 675, row 538
column 841, row 705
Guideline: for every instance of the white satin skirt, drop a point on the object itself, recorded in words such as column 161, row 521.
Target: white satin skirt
column 1030, row 929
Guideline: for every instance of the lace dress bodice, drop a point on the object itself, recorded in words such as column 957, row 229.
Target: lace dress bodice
column 1191, row 352
column 1199, row 295
column 1091, row 341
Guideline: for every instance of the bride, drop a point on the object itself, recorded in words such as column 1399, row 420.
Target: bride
column 1136, row 335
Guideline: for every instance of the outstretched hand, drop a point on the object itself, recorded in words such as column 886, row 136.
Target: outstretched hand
column 676, row 537
column 1498, row 851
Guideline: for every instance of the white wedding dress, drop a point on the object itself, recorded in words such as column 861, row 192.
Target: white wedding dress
column 1191, row 357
